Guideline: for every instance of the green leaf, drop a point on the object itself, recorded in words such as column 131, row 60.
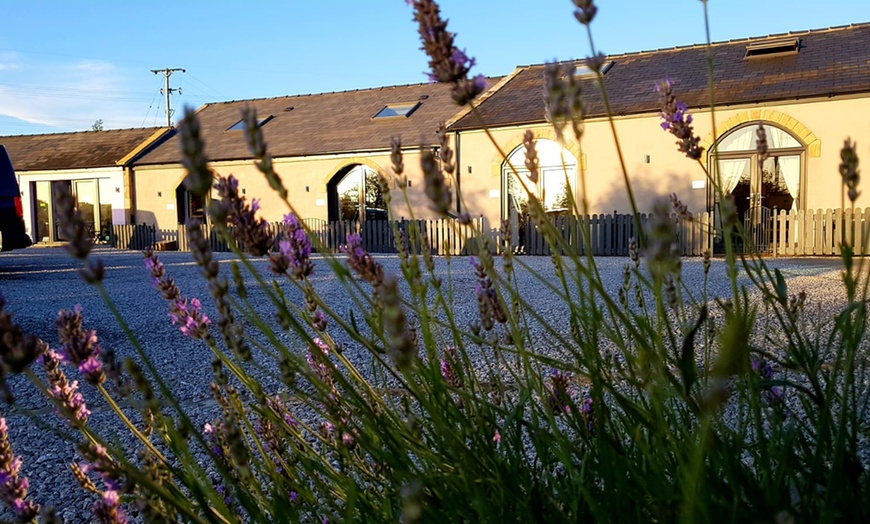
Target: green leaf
column 688, row 369
column 781, row 287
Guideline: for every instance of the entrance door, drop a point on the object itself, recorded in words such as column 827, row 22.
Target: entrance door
column 97, row 215
column 760, row 189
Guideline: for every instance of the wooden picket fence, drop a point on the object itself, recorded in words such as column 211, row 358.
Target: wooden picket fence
column 818, row 232
column 785, row 233
column 133, row 236
column 611, row 234
column 440, row 236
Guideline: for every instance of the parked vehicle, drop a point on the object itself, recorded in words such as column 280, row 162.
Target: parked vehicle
column 12, row 234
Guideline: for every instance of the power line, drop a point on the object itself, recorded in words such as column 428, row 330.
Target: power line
column 208, row 89
column 150, row 105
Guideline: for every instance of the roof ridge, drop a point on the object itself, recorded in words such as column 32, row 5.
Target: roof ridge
column 150, row 128
column 723, row 42
column 346, row 91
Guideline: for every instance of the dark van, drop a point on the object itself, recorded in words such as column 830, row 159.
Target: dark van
column 12, row 234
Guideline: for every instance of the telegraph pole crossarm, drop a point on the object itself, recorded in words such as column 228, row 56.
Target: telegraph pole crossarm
column 166, row 91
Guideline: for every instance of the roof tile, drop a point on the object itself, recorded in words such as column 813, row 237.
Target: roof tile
column 81, row 150
column 830, row 62
column 338, row 122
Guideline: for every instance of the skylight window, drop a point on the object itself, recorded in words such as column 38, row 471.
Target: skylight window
column 397, row 110
column 788, row 46
column 240, row 125
column 583, row 71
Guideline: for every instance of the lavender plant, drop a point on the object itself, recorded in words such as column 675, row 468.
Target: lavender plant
column 672, row 406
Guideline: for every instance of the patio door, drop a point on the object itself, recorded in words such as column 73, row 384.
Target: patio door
column 760, row 190
column 760, row 187
column 96, row 214
column 87, row 202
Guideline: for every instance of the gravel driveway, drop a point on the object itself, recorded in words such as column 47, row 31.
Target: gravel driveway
column 38, row 282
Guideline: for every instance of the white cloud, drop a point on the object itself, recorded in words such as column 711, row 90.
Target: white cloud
column 8, row 61
column 72, row 96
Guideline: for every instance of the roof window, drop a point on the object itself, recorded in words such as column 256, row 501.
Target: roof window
column 767, row 48
column 240, row 125
column 583, row 71
column 397, row 110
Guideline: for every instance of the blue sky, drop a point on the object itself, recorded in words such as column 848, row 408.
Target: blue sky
column 64, row 64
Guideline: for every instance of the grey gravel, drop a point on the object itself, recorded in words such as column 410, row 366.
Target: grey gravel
column 39, row 282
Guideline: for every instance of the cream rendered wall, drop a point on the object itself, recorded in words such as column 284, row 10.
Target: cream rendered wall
column 821, row 125
column 116, row 199
column 305, row 178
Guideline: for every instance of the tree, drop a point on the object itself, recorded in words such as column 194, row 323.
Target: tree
column 98, row 125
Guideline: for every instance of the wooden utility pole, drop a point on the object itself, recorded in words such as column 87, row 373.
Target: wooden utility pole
column 166, row 91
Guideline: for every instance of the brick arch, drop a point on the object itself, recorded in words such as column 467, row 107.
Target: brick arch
column 542, row 133
column 329, row 185
column 803, row 134
column 350, row 162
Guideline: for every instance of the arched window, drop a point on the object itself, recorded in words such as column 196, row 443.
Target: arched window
column 354, row 194
column 556, row 179
column 778, row 183
column 760, row 188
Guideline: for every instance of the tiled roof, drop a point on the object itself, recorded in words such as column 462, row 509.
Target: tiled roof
column 86, row 149
column 830, row 62
column 319, row 124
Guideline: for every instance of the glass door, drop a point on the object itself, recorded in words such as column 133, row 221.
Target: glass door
column 760, row 191
column 85, row 192
column 56, row 186
column 42, row 209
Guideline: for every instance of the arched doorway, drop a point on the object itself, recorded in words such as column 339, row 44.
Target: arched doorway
column 557, row 175
column 760, row 188
column 354, row 194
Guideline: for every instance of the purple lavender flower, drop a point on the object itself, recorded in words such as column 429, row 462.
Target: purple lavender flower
column 771, row 395
column 70, row 401
column 677, row 121
column 360, row 261
column 188, row 315
column 587, row 411
column 222, row 490
column 107, row 509
column 347, row 440
column 459, row 57
column 448, row 367
column 318, row 361
column 281, row 409
column 558, row 397
column 294, row 252
column 585, row 11
column 447, row 63
column 13, row 487
column 102, row 465
column 250, row 232
column 92, row 369
column 80, row 346
column 318, row 321
column 293, row 497
column 488, row 304
column 563, row 101
column 762, row 367
column 164, row 284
